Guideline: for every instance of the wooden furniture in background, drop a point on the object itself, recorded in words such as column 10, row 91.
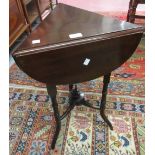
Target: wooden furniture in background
column 22, row 13
column 132, row 10
column 35, row 8
column 30, row 11
column 43, row 5
column 17, row 22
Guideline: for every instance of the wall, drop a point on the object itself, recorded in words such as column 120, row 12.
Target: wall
column 101, row 5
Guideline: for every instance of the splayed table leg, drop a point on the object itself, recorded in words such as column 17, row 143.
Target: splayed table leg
column 106, row 81
column 52, row 91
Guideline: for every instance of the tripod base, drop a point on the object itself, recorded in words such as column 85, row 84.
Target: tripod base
column 76, row 99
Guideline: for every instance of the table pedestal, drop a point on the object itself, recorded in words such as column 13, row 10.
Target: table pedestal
column 76, row 99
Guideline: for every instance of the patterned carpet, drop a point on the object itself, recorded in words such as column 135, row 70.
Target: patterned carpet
column 83, row 132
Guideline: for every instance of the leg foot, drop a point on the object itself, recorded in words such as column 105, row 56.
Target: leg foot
column 106, row 120
column 52, row 93
column 103, row 100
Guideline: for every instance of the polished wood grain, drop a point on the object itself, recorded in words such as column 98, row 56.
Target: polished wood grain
column 17, row 24
column 107, row 42
column 65, row 20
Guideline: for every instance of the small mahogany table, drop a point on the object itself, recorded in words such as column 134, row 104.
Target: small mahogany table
column 73, row 45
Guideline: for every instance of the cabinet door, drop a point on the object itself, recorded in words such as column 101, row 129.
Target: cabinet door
column 17, row 22
column 30, row 10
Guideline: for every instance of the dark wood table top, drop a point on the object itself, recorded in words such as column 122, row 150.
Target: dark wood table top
column 50, row 54
column 66, row 20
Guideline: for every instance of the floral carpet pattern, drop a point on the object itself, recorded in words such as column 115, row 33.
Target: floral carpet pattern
column 83, row 131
